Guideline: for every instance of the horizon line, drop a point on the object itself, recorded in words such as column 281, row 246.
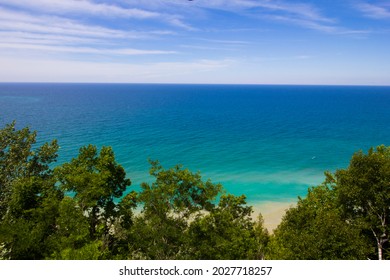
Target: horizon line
column 194, row 84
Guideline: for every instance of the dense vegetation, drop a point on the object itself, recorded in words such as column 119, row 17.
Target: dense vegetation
column 83, row 210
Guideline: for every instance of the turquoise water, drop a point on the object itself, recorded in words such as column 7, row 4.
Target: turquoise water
column 268, row 142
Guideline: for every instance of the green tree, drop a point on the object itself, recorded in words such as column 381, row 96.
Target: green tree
column 72, row 234
column 95, row 180
column 315, row 229
column 122, row 240
column 177, row 191
column 18, row 160
column 227, row 232
column 363, row 191
column 3, row 252
column 262, row 238
column 28, row 195
column 31, row 218
column 168, row 204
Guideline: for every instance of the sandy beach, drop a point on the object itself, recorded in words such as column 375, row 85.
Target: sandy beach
column 272, row 212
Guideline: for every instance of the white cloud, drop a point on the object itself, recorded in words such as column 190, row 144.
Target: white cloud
column 297, row 9
column 92, row 34
column 229, row 42
column 377, row 11
column 21, row 31
column 61, row 7
column 244, row 7
column 31, row 70
column 87, row 50
column 70, row 8
column 24, row 22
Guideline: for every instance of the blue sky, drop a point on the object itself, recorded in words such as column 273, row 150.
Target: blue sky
column 199, row 41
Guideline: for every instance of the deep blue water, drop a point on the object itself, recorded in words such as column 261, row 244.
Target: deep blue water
column 268, row 142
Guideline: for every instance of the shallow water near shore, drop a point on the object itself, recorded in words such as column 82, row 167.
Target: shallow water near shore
column 268, row 142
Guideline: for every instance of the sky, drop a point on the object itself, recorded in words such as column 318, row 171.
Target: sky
column 327, row 42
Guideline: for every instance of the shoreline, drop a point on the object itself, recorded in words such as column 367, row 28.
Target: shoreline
column 271, row 211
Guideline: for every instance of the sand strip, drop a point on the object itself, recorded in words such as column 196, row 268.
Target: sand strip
column 272, row 212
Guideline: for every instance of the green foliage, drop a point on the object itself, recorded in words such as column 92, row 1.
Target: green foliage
column 315, row 230
column 227, row 232
column 168, row 205
column 3, row 252
column 363, row 191
column 345, row 218
column 153, row 238
column 78, row 210
column 179, row 220
column 28, row 196
column 37, row 220
column 95, row 180
column 19, row 161
column 90, row 251
column 125, row 209
column 262, row 238
column 72, row 232
column 177, row 191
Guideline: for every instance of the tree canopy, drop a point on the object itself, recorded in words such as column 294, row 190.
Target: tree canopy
column 86, row 209
column 347, row 217
column 315, row 230
column 363, row 192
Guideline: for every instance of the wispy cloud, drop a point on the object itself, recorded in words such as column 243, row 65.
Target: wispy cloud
column 237, row 6
column 158, row 40
column 61, row 7
column 268, row 9
column 375, row 10
column 318, row 26
column 297, row 9
column 298, row 57
column 20, row 30
column 228, row 42
column 23, row 22
column 299, row 13
column 101, row 51
column 108, row 10
column 17, row 70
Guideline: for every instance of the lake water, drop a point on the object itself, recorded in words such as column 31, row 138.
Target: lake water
column 268, row 142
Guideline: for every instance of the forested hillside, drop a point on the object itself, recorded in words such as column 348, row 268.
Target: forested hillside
column 86, row 209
